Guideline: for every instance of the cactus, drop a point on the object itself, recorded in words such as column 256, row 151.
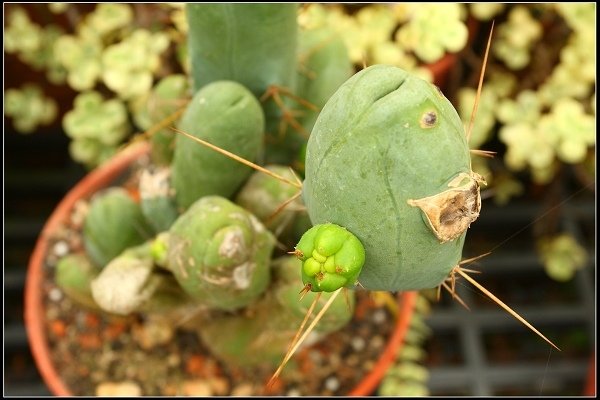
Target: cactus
column 388, row 160
column 220, row 253
column 203, row 236
column 227, row 115
column 114, row 223
column 331, row 257
column 262, row 195
column 157, row 199
column 166, row 98
column 261, row 336
column 74, row 274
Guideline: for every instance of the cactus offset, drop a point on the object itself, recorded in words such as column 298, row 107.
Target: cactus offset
column 114, row 222
column 227, row 115
column 220, row 253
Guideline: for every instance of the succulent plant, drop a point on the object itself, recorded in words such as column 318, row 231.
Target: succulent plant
column 28, row 107
column 409, row 209
column 389, row 185
column 201, row 231
column 96, row 127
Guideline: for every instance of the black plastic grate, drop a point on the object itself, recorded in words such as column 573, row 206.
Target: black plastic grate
column 564, row 312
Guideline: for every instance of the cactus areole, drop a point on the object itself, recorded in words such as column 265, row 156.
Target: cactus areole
column 388, row 160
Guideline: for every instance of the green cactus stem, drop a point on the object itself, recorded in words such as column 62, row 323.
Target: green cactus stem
column 262, row 195
column 260, row 336
column 388, row 160
column 332, row 257
column 73, row 275
column 226, row 115
column 167, row 97
column 253, row 44
column 114, row 222
column 219, row 253
column 157, row 198
column 324, row 65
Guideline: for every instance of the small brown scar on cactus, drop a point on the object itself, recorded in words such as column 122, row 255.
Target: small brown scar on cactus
column 428, row 120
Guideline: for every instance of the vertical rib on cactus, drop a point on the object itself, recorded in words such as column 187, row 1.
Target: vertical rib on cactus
column 253, row 44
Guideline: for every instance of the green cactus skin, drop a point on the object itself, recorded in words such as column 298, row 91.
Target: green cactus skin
column 324, row 65
column 114, row 223
column 386, row 139
column 332, row 257
column 227, row 115
column 166, row 98
column 74, row 274
column 261, row 336
column 253, row 44
column 219, row 253
column 157, row 199
column 262, row 195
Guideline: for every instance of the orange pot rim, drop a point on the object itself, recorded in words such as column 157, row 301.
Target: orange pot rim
column 91, row 183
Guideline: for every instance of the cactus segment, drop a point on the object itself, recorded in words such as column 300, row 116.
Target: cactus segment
column 253, row 44
column 226, row 115
column 261, row 336
column 125, row 284
column 331, row 256
column 74, row 274
column 219, row 253
column 157, row 198
column 324, row 65
column 114, row 223
column 262, row 195
column 383, row 147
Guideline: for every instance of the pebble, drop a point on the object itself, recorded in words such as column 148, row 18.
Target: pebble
column 243, row 390
column 358, row 343
column 332, row 383
column 379, row 316
column 61, row 248
column 197, row 388
column 121, row 389
column 152, row 334
column 377, row 342
column 173, row 360
column 220, row 386
column 55, row 294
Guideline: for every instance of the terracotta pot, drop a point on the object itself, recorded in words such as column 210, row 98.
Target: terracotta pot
column 34, row 305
